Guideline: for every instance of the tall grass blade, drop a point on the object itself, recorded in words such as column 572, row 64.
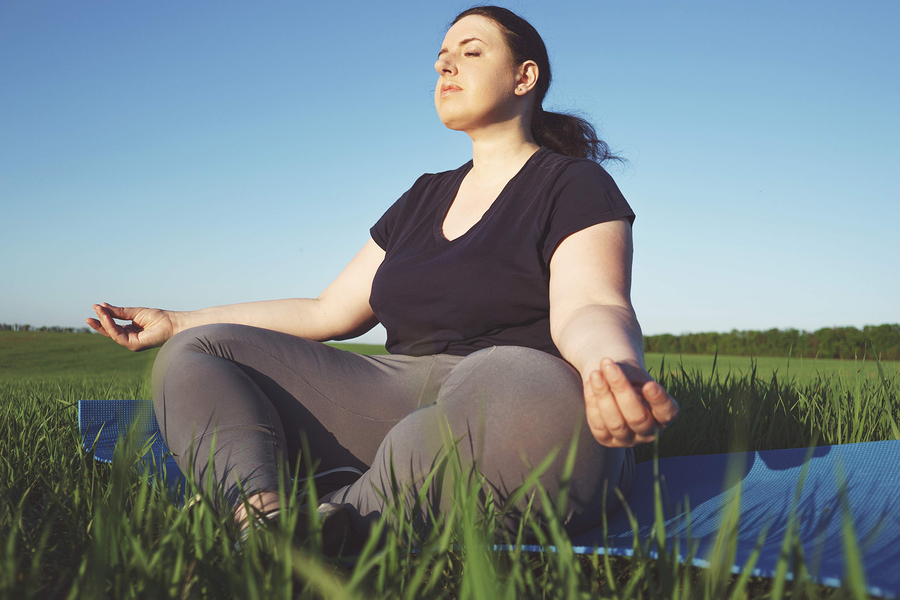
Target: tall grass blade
column 854, row 570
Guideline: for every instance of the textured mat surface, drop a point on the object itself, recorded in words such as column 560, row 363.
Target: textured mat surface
column 768, row 486
column 768, row 483
column 103, row 422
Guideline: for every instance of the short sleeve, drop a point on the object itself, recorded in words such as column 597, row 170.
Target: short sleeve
column 584, row 195
column 383, row 228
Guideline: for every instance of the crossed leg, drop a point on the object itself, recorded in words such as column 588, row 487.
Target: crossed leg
column 256, row 390
column 509, row 407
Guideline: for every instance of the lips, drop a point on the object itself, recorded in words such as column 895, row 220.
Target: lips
column 449, row 88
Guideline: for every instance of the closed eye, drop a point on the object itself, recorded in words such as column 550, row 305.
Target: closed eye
column 473, row 53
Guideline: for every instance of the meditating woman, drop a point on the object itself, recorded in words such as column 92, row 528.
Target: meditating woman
column 504, row 287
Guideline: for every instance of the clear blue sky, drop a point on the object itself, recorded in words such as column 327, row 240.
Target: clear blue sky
column 181, row 155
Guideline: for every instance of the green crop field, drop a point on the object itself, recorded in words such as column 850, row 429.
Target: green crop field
column 74, row 528
column 766, row 366
column 46, row 354
column 51, row 354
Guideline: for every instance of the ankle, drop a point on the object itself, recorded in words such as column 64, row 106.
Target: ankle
column 263, row 505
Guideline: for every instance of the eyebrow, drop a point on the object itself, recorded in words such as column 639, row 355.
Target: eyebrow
column 463, row 43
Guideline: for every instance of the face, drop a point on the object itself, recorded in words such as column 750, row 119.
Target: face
column 476, row 78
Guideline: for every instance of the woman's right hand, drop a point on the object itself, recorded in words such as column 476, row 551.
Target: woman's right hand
column 149, row 327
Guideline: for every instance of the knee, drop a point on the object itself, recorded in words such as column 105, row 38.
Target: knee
column 176, row 346
column 175, row 355
column 205, row 339
column 517, row 391
column 524, row 374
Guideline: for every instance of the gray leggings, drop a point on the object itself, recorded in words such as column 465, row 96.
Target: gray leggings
column 258, row 389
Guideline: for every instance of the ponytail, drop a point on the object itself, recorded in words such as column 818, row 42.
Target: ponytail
column 569, row 135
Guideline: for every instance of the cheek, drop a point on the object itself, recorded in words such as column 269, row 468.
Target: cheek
column 495, row 95
column 497, row 87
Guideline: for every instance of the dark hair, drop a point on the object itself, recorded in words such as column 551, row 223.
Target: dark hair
column 563, row 133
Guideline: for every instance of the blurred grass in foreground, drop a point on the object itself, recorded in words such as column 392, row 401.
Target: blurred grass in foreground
column 74, row 528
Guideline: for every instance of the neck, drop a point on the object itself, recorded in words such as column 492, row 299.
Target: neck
column 499, row 151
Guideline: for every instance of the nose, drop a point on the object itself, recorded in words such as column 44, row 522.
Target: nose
column 444, row 65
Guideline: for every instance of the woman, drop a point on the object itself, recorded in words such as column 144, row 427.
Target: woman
column 504, row 286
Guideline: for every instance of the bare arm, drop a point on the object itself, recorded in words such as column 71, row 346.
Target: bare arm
column 597, row 331
column 591, row 316
column 593, row 324
column 340, row 312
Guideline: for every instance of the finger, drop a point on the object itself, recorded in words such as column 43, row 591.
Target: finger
column 121, row 312
column 654, row 393
column 598, row 427
column 609, row 410
column 96, row 326
column 630, row 404
column 115, row 331
column 594, row 417
column 664, row 407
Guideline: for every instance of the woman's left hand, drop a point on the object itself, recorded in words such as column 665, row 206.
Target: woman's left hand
column 626, row 407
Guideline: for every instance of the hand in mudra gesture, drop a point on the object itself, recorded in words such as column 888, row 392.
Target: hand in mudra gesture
column 625, row 406
column 149, row 327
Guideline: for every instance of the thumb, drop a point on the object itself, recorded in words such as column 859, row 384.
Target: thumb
column 662, row 405
column 654, row 393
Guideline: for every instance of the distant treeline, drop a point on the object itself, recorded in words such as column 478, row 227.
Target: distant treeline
column 18, row 327
column 828, row 342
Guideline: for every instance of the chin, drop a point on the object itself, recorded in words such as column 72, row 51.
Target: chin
column 453, row 126
column 451, row 121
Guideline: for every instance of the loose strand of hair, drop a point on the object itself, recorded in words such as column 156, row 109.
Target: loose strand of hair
column 572, row 136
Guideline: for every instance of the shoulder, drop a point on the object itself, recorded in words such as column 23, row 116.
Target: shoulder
column 426, row 186
column 571, row 171
column 441, row 178
column 581, row 181
column 581, row 194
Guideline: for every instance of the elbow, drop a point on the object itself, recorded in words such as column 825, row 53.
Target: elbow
column 355, row 330
column 565, row 324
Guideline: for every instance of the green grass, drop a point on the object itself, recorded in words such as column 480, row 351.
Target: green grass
column 768, row 411
column 766, row 366
column 33, row 354
column 71, row 527
column 51, row 354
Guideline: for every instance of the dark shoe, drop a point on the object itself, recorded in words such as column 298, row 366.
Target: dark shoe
column 336, row 527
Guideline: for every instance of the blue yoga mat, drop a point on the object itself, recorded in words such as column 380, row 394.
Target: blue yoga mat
column 767, row 481
column 768, row 489
column 103, row 422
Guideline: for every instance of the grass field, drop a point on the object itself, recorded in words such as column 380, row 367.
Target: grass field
column 74, row 528
column 766, row 366
column 51, row 354
column 43, row 354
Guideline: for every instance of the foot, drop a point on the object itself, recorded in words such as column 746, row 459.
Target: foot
column 336, row 527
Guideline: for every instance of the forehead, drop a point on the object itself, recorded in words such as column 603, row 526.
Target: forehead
column 473, row 26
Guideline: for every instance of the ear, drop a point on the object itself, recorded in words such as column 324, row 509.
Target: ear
column 527, row 77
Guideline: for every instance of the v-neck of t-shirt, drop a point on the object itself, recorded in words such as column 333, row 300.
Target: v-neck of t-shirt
column 447, row 202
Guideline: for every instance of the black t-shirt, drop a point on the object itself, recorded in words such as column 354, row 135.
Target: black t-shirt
column 490, row 286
